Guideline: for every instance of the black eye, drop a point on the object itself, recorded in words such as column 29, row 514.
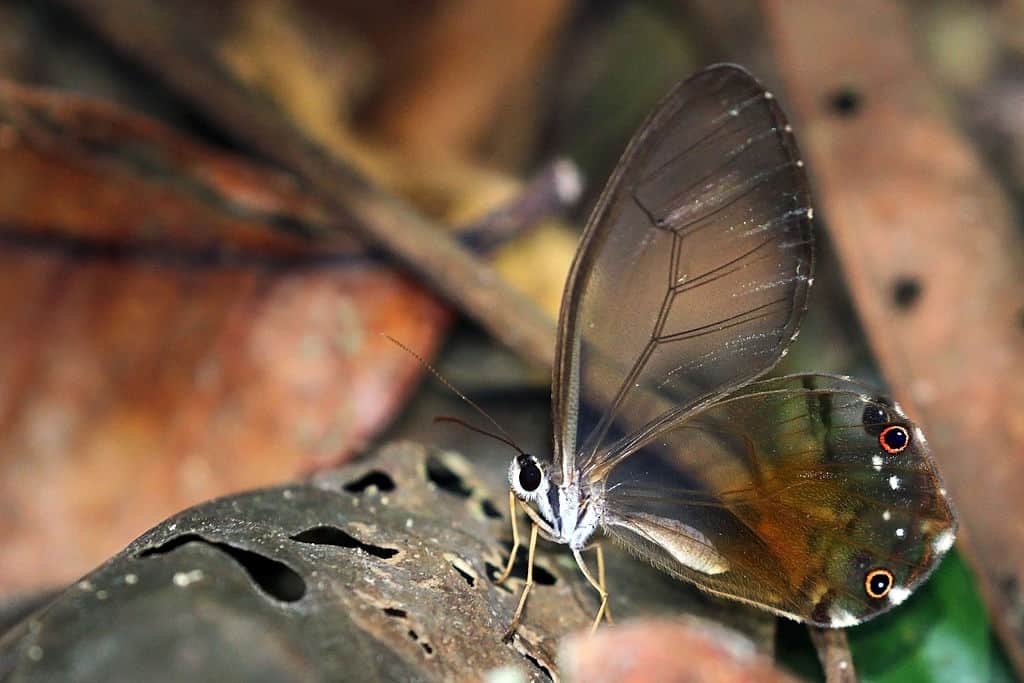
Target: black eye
column 878, row 583
column 874, row 418
column 529, row 475
column 894, row 439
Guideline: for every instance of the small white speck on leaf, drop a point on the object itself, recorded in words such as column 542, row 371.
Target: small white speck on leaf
column 183, row 579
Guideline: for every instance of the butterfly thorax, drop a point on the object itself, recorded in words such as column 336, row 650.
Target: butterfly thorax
column 565, row 512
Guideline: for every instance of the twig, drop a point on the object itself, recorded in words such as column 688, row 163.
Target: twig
column 554, row 188
column 834, row 654
column 152, row 35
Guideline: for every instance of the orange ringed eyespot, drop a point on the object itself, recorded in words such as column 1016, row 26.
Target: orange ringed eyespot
column 894, row 439
column 878, row 583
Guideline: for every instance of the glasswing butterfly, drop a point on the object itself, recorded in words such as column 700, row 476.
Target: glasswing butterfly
column 807, row 495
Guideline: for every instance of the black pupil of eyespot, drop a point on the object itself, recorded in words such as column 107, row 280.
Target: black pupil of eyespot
column 896, row 439
column 529, row 476
column 874, row 415
column 873, row 418
column 880, row 583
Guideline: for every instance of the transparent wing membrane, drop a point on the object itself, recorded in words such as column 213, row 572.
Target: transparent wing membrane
column 693, row 271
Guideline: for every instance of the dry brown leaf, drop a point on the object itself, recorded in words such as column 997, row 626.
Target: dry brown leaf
column 933, row 257
column 169, row 335
column 656, row 650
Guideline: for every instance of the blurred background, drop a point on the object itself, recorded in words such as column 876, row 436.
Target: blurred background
column 205, row 227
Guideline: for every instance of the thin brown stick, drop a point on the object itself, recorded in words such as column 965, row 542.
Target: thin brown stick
column 151, row 34
column 834, row 654
column 556, row 187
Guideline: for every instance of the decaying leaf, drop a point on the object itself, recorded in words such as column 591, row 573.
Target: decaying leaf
column 384, row 567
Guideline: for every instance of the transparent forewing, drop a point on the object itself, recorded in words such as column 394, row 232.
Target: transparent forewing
column 693, row 270
column 788, row 495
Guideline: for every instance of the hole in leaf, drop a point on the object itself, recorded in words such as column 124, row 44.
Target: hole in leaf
column 372, row 478
column 441, row 474
column 466, row 575
column 540, row 575
column 329, row 535
column 536, row 663
column 395, row 612
column 493, row 573
column 905, row 292
column 425, row 645
column 490, row 509
column 274, row 578
column 844, row 102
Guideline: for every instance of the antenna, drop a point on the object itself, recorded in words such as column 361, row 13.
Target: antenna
column 473, row 428
column 504, row 436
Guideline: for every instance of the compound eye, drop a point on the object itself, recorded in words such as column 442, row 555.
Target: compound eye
column 529, row 475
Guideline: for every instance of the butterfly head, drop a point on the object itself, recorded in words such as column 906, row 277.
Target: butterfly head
column 565, row 512
column 528, row 478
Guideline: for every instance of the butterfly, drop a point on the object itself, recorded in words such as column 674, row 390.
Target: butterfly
column 807, row 495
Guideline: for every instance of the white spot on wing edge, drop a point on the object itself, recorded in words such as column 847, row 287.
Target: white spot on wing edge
column 944, row 541
column 894, row 483
column 898, row 595
column 876, row 462
column 900, row 532
column 840, row 618
column 887, row 515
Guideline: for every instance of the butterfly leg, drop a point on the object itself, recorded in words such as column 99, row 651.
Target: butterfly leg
column 600, row 581
column 510, row 631
column 515, row 539
column 598, row 585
